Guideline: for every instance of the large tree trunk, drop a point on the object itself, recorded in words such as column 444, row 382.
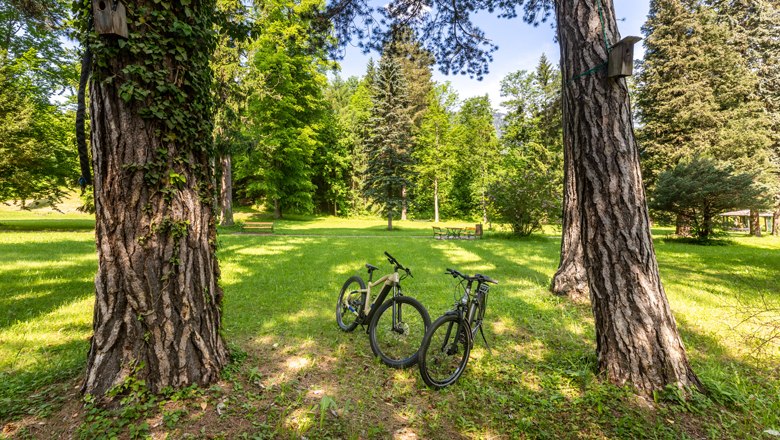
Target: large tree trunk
column 157, row 306
column 775, row 219
column 226, row 191
column 682, row 226
column 636, row 335
column 570, row 279
column 390, row 221
column 277, row 209
column 755, row 223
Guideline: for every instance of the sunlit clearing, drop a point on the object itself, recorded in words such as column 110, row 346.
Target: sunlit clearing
column 300, row 420
column 461, row 257
column 297, row 363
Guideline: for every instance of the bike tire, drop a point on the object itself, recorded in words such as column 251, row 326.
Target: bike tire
column 398, row 347
column 349, row 296
column 443, row 353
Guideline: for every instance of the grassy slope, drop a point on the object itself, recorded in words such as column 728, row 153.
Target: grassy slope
column 279, row 302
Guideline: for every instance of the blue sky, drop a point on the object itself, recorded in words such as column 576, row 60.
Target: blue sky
column 519, row 47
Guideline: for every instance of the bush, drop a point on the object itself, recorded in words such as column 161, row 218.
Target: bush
column 524, row 198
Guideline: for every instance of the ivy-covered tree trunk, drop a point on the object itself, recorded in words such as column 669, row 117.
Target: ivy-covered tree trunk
column 570, row 279
column 636, row 335
column 226, row 190
column 157, row 305
column 775, row 219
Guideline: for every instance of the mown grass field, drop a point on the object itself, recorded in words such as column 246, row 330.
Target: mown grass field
column 295, row 374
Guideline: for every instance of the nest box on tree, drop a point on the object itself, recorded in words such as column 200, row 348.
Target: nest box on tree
column 110, row 17
column 621, row 58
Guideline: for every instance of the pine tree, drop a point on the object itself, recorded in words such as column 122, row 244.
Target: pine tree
column 390, row 140
column 757, row 25
column 415, row 63
column 696, row 93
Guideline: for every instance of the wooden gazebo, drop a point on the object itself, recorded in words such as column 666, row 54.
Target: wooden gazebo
column 740, row 220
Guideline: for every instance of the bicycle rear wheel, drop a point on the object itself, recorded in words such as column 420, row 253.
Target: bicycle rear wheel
column 444, row 351
column 397, row 331
column 350, row 302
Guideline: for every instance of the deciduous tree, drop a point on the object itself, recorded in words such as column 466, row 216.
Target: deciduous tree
column 158, row 302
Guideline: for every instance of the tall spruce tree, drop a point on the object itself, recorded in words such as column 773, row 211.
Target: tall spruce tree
column 756, row 23
column 390, row 140
column 415, row 63
column 696, row 93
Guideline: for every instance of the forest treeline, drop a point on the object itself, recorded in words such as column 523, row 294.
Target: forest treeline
column 292, row 136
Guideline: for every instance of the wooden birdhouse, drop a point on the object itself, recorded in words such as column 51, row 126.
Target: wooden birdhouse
column 621, row 58
column 110, row 17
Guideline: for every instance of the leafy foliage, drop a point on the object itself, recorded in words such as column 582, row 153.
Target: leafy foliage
column 700, row 189
column 37, row 159
column 530, row 186
column 287, row 111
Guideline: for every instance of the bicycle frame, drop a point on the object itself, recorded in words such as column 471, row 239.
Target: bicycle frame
column 389, row 282
column 466, row 309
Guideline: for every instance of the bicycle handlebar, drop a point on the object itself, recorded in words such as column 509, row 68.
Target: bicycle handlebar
column 398, row 265
column 477, row 277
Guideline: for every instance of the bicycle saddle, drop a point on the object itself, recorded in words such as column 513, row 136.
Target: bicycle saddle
column 371, row 268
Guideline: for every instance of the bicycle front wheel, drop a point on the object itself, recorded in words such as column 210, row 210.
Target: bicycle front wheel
column 397, row 331
column 444, row 351
column 350, row 303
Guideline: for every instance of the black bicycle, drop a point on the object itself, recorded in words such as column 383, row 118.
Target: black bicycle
column 395, row 327
column 446, row 346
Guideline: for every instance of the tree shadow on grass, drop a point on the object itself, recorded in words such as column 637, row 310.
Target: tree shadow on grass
column 38, row 225
column 542, row 365
column 37, row 281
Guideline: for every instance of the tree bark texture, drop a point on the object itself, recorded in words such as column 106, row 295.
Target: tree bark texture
column 682, row 226
column 755, row 223
column 277, row 209
column 636, row 335
column 570, row 279
column 157, row 304
column 775, row 219
column 226, row 190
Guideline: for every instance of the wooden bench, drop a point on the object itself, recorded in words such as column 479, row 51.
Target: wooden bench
column 267, row 227
column 439, row 233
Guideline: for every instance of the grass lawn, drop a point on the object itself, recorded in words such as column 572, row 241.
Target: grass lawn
column 294, row 373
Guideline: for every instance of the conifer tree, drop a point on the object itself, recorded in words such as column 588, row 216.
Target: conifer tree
column 390, row 140
column 415, row 63
column 756, row 23
column 696, row 93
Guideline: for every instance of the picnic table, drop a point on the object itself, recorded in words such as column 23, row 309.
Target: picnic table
column 457, row 232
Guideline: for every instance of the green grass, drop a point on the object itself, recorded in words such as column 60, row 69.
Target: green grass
column 295, row 373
